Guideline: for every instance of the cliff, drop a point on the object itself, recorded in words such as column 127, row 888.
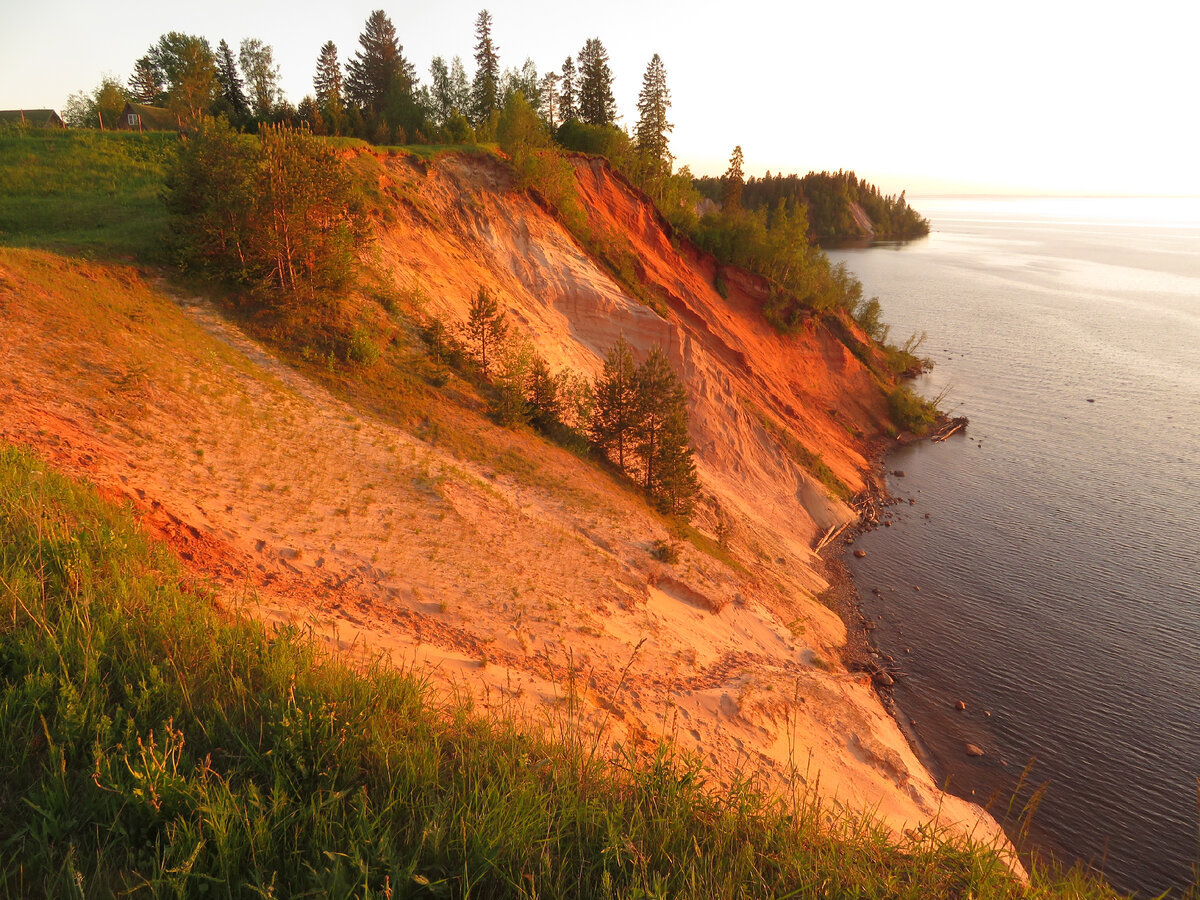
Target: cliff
column 397, row 519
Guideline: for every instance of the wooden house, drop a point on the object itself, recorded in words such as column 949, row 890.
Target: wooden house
column 139, row 117
column 34, row 118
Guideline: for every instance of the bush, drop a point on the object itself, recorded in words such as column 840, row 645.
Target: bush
column 280, row 211
column 911, row 411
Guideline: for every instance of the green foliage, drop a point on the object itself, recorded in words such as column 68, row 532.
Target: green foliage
column 485, row 330
column 99, row 109
column 616, row 403
column 661, row 439
column 510, row 386
column 281, row 211
column 485, row 89
column 85, row 191
column 596, row 105
column 641, row 424
column 803, row 279
column 829, row 199
column 651, row 136
column 665, row 551
column 911, row 411
column 361, row 349
column 154, row 745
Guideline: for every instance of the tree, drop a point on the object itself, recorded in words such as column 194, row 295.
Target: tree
column 279, row 210
column 147, row 84
column 99, row 109
column 485, row 329
column 596, row 104
column 257, row 60
column 189, row 70
column 567, row 106
column 485, row 90
column 731, row 184
column 660, row 434
column 509, row 403
column 377, row 65
column 441, row 93
column 460, row 87
column 548, row 91
column 521, row 135
column 524, row 80
column 328, row 85
column 616, row 403
column 233, row 96
column 544, row 396
column 651, row 141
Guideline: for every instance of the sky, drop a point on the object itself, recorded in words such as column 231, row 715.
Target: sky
column 928, row 96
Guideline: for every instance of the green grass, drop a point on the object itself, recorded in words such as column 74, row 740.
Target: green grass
column 150, row 744
column 84, row 191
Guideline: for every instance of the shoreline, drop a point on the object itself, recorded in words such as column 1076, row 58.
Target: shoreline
column 861, row 652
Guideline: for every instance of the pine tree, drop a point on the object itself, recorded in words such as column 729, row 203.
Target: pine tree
column 257, row 61
column 485, row 91
column 616, row 403
column 544, row 396
column 596, row 103
column 147, row 83
column 233, row 95
column 327, row 82
column 651, row 141
column 550, row 103
column 568, row 108
column 660, row 434
column 731, row 183
column 377, row 65
column 485, row 329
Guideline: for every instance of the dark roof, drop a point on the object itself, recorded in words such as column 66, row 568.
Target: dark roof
column 35, row 117
column 154, row 118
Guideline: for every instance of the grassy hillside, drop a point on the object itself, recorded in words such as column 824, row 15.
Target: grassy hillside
column 83, row 191
column 150, row 743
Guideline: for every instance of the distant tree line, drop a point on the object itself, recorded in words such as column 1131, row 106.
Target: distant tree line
column 827, row 198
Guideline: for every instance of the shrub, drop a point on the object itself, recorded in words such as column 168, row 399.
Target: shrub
column 911, row 411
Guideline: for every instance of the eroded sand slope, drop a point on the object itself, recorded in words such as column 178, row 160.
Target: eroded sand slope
column 518, row 570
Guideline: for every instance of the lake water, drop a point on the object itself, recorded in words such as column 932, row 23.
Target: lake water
column 1059, row 566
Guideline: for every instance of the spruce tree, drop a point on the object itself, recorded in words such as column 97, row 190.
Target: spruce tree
column 596, row 103
column 233, row 95
column 651, row 141
column 147, row 84
column 327, row 82
column 377, row 65
column 731, row 184
column 568, row 108
column 616, row 404
column 485, row 91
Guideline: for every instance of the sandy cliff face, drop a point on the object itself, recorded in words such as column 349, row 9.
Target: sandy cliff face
column 512, row 569
column 464, row 226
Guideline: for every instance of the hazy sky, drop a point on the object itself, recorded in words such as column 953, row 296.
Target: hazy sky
column 927, row 95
